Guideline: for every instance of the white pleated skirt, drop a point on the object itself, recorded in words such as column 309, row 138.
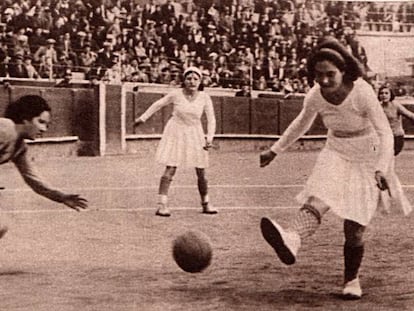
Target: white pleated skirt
column 182, row 145
column 343, row 179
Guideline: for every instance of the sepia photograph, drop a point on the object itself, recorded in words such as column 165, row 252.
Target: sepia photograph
column 200, row 155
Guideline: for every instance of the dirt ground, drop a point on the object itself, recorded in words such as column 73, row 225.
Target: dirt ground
column 117, row 255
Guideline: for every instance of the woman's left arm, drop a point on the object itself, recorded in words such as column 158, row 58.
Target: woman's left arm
column 404, row 111
column 211, row 119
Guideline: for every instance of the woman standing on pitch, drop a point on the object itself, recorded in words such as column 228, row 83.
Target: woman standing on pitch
column 351, row 169
column 183, row 142
column 27, row 118
column 394, row 112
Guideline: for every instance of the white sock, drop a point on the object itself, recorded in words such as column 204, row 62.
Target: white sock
column 162, row 199
column 205, row 199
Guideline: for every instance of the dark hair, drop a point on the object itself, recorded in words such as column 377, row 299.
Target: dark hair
column 392, row 95
column 26, row 108
column 332, row 50
column 200, row 87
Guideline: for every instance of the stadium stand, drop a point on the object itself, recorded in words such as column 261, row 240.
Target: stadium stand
column 235, row 42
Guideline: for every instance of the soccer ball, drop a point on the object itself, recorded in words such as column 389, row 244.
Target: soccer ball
column 192, row 251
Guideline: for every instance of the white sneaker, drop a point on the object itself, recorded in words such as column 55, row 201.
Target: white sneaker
column 3, row 231
column 352, row 290
column 163, row 211
column 285, row 243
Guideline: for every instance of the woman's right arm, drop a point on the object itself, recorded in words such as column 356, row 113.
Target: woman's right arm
column 157, row 105
column 299, row 126
column 405, row 112
column 31, row 178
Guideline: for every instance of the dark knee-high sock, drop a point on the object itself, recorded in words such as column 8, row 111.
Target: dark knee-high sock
column 203, row 189
column 164, row 185
column 163, row 189
column 353, row 257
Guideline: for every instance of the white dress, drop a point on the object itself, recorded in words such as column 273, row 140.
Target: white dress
column 183, row 138
column 359, row 142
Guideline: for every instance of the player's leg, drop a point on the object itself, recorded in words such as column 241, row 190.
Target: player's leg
column 353, row 254
column 286, row 242
column 308, row 219
column 398, row 144
column 165, row 183
column 202, row 183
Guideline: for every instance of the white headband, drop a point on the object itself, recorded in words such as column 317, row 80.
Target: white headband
column 193, row 69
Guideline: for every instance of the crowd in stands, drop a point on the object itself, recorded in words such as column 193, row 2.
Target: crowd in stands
column 259, row 43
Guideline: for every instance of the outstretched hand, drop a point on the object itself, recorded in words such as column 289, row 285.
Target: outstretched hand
column 138, row 122
column 266, row 157
column 208, row 145
column 75, row 202
column 382, row 182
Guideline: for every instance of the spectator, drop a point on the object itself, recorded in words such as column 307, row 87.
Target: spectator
column 264, row 27
column 143, row 72
column 66, row 81
column 87, row 59
column 175, row 76
column 80, row 42
column 43, row 19
column 16, row 68
column 206, row 79
column 140, row 50
column 36, row 39
column 21, row 45
column 23, row 20
column 113, row 73
column 30, row 69
column 48, row 51
column 149, row 9
column 4, row 65
column 168, row 10
column 92, row 41
column 244, row 91
column 64, row 46
column 274, row 84
column 105, row 56
column 62, row 65
column 44, row 68
column 165, row 76
column 260, row 84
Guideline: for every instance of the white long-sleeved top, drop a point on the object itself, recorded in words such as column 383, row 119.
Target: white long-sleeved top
column 359, row 112
column 185, row 111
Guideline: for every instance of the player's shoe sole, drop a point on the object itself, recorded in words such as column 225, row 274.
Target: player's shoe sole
column 274, row 235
